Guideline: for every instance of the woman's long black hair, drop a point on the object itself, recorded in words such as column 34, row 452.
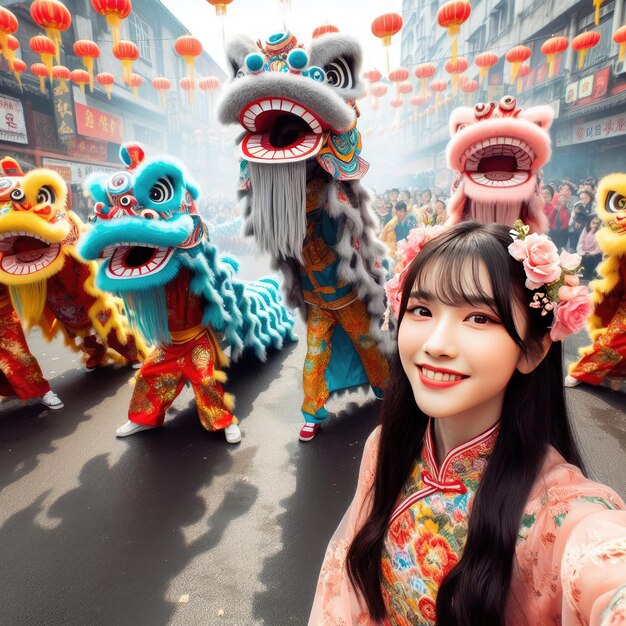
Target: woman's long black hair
column 534, row 416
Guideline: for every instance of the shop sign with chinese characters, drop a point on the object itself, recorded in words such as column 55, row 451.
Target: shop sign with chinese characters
column 98, row 124
column 12, row 122
column 603, row 128
column 78, row 172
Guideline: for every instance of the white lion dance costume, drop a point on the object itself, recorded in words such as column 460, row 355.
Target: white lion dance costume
column 300, row 176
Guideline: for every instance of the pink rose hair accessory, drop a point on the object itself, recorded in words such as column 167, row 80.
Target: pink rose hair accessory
column 407, row 250
column 555, row 279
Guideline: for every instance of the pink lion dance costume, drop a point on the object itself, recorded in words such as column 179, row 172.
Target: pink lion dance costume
column 498, row 150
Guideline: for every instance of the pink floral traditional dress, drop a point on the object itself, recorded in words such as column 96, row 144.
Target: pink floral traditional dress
column 570, row 562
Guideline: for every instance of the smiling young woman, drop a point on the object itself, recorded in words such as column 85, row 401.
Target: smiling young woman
column 472, row 506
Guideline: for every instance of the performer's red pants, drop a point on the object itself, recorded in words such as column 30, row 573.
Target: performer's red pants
column 166, row 370
column 20, row 374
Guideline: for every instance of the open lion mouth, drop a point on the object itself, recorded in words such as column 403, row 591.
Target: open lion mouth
column 132, row 260
column 498, row 162
column 280, row 130
column 26, row 253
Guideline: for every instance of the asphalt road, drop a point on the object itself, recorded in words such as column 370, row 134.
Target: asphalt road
column 174, row 526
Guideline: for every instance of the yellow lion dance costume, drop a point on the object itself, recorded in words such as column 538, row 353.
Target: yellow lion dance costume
column 606, row 357
column 49, row 284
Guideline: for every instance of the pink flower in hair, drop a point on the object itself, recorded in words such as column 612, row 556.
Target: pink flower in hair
column 572, row 310
column 540, row 258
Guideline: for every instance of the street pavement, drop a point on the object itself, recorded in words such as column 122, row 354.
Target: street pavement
column 174, row 526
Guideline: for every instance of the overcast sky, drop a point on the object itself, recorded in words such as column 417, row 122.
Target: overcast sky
column 261, row 18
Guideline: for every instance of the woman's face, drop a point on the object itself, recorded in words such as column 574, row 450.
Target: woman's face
column 440, row 207
column 594, row 225
column 458, row 359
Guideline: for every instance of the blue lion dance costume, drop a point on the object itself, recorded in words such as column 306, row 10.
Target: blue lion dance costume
column 176, row 290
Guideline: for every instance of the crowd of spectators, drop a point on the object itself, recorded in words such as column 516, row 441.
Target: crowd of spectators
column 570, row 209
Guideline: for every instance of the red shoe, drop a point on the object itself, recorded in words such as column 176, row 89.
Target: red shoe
column 308, row 431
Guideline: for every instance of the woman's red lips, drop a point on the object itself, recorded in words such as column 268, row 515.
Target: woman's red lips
column 439, row 377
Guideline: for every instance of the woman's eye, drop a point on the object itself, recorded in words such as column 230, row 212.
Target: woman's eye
column 419, row 311
column 479, row 319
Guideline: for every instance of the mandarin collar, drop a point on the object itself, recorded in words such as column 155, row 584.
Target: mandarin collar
column 468, row 460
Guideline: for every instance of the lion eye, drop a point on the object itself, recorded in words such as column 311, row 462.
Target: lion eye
column 46, row 195
column 18, row 195
column 615, row 202
column 162, row 191
column 507, row 103
column 481, row 109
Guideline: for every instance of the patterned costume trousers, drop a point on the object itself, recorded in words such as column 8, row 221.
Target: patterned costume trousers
column 355, row 321
column 607, row 355
column 20, row 374
column 164, row 373
column 93, row 347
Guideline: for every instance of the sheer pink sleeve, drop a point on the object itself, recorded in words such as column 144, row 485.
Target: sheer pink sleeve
column 336, row 602
column 593, row 571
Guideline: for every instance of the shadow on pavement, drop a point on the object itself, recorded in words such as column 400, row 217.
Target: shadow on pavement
column 326, row 476
column 28, row 431
column 106, row 551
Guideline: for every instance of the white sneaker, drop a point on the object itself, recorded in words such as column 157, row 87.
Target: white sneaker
column 130, row 428
column 233, row 434
column 51, row 400
column 570, row 381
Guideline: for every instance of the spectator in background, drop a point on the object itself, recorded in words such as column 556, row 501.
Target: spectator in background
column 578, row 220
column 405, row 196
column 586, row 199
column 548, row 199
column 588, row 247
column 394, row 195
column 558, row 218
column 567, row 191
column 398, row 228
column 440, row 215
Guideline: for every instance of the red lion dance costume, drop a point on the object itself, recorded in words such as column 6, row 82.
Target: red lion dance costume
column 49, row 284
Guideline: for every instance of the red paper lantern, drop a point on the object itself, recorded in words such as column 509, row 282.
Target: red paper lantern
column 127, row 52
column 324, row 29
column 44, row 47
column 397, row 76
column 619, row 37
column 53, row 16
column 438, row 87
column 516, row 56
column 372, row 76
column 378, row 91
column 397, row 103
column 470, row 86
column 552, row 47
column 523, row 71
column 209, row 83
column 385, row 27
column 424, row 71
column 454, row 68
column 583, row 43
column 81, row 78
column 114, row 11
column 220, row 6
column 41, row 72
column 162, row 85
column 484, row 61
column 61, row 74
column 189, row 86
column 87, row 50
column 12, row 44
column 189, row 48
column 405, row 87
column 106, row 80
column 418, row 101
column 18, row 66
column 451, row 15
column 8, row 25
column 134, row 81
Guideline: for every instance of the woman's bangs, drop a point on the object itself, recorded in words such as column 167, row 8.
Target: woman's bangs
column 455, row 276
